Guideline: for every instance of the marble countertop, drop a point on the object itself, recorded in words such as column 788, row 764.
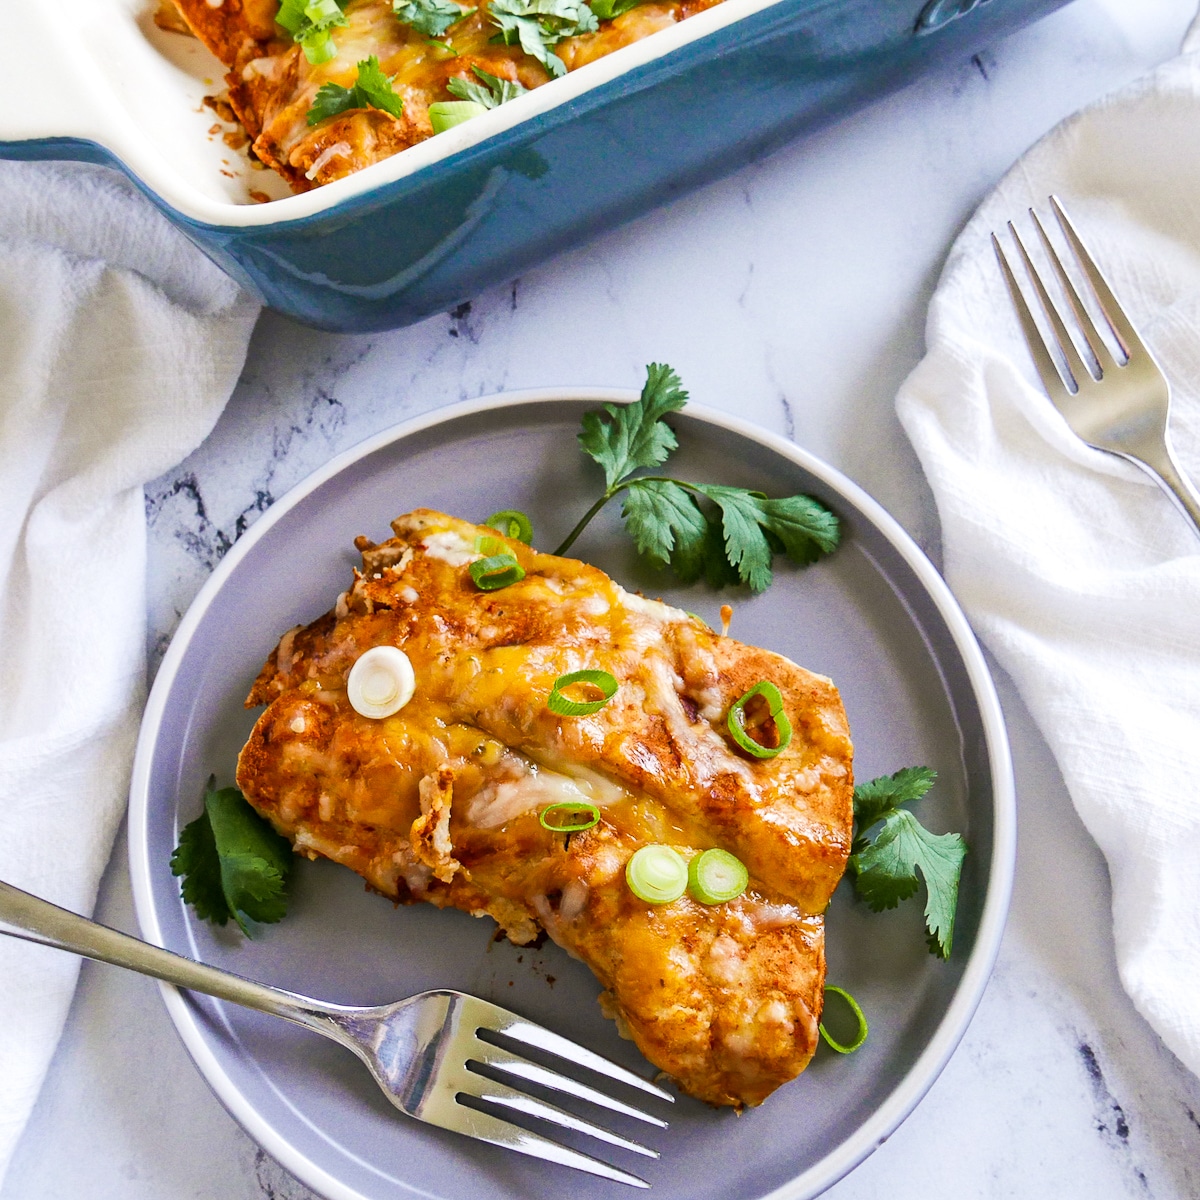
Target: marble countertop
column 803, row 312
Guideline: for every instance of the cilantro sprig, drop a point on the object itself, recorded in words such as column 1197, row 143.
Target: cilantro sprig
column 537, row 25
column 430, row 17
column 233, row 864
column 371, row 89
column 884, row 866
column 491, row 91
column 309, row 23
column 723, row 534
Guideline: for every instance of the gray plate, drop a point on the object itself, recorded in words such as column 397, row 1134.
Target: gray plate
column 874, row 616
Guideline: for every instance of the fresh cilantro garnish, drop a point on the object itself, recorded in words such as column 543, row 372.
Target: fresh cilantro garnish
column 539, row 24
column 884, row 868
column 491, row 92
column 372, row 88
column 725, row 534
column 232, row 862
column 309, row 23
column 607, row 9
column 430, row 17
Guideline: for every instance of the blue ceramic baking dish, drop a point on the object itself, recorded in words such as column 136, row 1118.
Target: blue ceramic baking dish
column 486, row 200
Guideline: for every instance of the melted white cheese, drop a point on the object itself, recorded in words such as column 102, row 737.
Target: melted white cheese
column 450, row 547
column 499, row 803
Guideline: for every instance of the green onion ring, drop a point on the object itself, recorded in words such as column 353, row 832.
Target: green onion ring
column 562, row 706
column 445, row 114
column 657, row 874
column 860, row 1036
column 318, row 47
column 717, row 876
column 513, row 524
column 495, row 572
column 571, row 808
column 737, row 721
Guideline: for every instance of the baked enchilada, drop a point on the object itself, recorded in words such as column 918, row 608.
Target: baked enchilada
column 327, row 87
column 445, row 797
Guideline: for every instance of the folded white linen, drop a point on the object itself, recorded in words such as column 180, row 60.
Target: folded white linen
column 1076, row 571
column 122, row 343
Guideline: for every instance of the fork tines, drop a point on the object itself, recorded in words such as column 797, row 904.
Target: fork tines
column 480, row 1091
column 1119, row 403
column 1065, row 367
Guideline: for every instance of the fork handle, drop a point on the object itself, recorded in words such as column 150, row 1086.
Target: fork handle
column 36, row 920
column 1161, row 464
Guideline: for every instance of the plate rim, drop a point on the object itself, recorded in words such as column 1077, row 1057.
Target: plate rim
column 920, row 1077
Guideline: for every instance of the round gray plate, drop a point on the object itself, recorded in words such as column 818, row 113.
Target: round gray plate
column 874, row 616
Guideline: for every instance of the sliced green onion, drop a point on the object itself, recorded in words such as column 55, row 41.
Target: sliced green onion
column 445, row 114
column 381, row 682
column 318, row 47
column 859, row 1037
column 322, row 10
column 495, row 572
column 563, row 706
column 569, row 816
column 779, row 723
column 717, row 876
column 657, row 874
column 510, row 521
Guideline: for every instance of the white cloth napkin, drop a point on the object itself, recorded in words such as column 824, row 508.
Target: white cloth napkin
column 1076, row 571
column 121, row 344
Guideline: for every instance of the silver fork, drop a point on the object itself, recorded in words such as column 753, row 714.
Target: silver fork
column 1121, row 407
column 423, row 1051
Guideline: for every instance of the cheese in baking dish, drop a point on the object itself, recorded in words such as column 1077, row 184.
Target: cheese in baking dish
column 440, row 802
column 272, row 84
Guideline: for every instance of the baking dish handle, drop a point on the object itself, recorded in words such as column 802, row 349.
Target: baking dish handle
column 53, row 98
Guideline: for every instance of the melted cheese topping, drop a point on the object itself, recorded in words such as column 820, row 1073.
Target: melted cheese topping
column 272, row 84
column 441, row 800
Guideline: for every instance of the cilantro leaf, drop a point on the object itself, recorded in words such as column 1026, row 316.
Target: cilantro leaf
column 883, row 874
column 886, row 873
column 805, row 527
column 195, row 858
column 718, row 570
column 233, row 863
column 253, row 887
column 694, row 547
column 723, row 534
column 635, row 435
column 873, row 800
column 884, row 868
column 746, row 545
column 491, row 92
column 372, row 89
column 665, row 523
column 430, row 17
column 539, row 24
column 607, row 9
column 755, row 527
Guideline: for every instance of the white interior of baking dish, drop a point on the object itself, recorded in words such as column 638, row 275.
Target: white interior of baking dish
column 138, row 91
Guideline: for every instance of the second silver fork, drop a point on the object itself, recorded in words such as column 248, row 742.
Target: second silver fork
column 1122, row 407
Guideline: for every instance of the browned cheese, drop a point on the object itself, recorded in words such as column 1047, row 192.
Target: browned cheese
column 441, row 801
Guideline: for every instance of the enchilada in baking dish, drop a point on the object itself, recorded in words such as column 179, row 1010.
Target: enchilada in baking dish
column 327, row 87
